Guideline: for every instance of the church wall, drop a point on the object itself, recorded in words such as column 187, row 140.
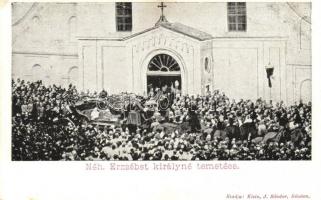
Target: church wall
column 104, row 65
column 239, row 68
column 278, row 36
column 236, row 72
column 206, row 66
column 23, row 66
column 299, row 85
column 184, row 50
column 195, row 80
column 53, row 68
column 33, row 42
column 278, row 20
column 116, row 69
column 89, row 74
column 97, row 19
column 38, row 26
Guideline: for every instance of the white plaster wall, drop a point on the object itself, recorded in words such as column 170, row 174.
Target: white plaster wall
column 44, row 36
column 117, row 69
column 263, row 20
column 55, row 68
column 239, row 68
column 300, row 76
column 44, row 29
column 207, row 75
column 236, row 72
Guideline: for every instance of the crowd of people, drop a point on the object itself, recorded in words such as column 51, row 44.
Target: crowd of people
column 47, row 126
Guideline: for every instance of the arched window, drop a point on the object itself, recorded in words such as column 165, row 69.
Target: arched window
column 72, row 23
column 73, row 75
column 163, row 63
column 305, row 91
column 163, row 72
column 37, row 73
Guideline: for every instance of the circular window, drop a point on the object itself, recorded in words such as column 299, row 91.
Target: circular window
column 36, row 20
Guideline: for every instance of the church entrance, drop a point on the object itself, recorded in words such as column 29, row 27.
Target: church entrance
column 163, row 71
column 160, row 81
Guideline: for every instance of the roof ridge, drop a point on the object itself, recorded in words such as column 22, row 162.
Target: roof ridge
column 178, row 28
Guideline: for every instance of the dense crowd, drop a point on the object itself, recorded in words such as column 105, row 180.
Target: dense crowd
column 46, row 126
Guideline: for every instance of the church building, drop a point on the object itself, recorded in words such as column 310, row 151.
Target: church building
column 234, row 47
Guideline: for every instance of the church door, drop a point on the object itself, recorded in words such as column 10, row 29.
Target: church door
column 163, row 70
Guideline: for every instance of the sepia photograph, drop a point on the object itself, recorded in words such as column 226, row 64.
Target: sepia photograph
column 161, row 81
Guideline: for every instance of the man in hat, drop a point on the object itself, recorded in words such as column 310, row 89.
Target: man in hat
column 232, row 130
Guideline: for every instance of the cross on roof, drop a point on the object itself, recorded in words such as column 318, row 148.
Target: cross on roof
column 162, row 17
column 162, row 6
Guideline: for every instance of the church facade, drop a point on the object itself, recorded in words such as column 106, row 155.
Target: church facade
column 133, row 47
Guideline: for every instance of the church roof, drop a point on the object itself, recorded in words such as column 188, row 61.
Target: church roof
column 187, row 30
column 179, row 28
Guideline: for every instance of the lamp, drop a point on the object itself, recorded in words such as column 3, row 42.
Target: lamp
column 269, row 72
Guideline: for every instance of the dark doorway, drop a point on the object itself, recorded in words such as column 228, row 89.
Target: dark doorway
column 159, row 81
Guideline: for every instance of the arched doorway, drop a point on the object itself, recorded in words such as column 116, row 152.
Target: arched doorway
column 163, row 70
column 37, row 73
column 73, row 75
column 305, row 91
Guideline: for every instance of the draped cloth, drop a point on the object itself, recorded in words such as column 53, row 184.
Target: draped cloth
column 272, row 136
column 134, row 118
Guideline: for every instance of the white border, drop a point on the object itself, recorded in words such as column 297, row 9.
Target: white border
column 70, row 180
